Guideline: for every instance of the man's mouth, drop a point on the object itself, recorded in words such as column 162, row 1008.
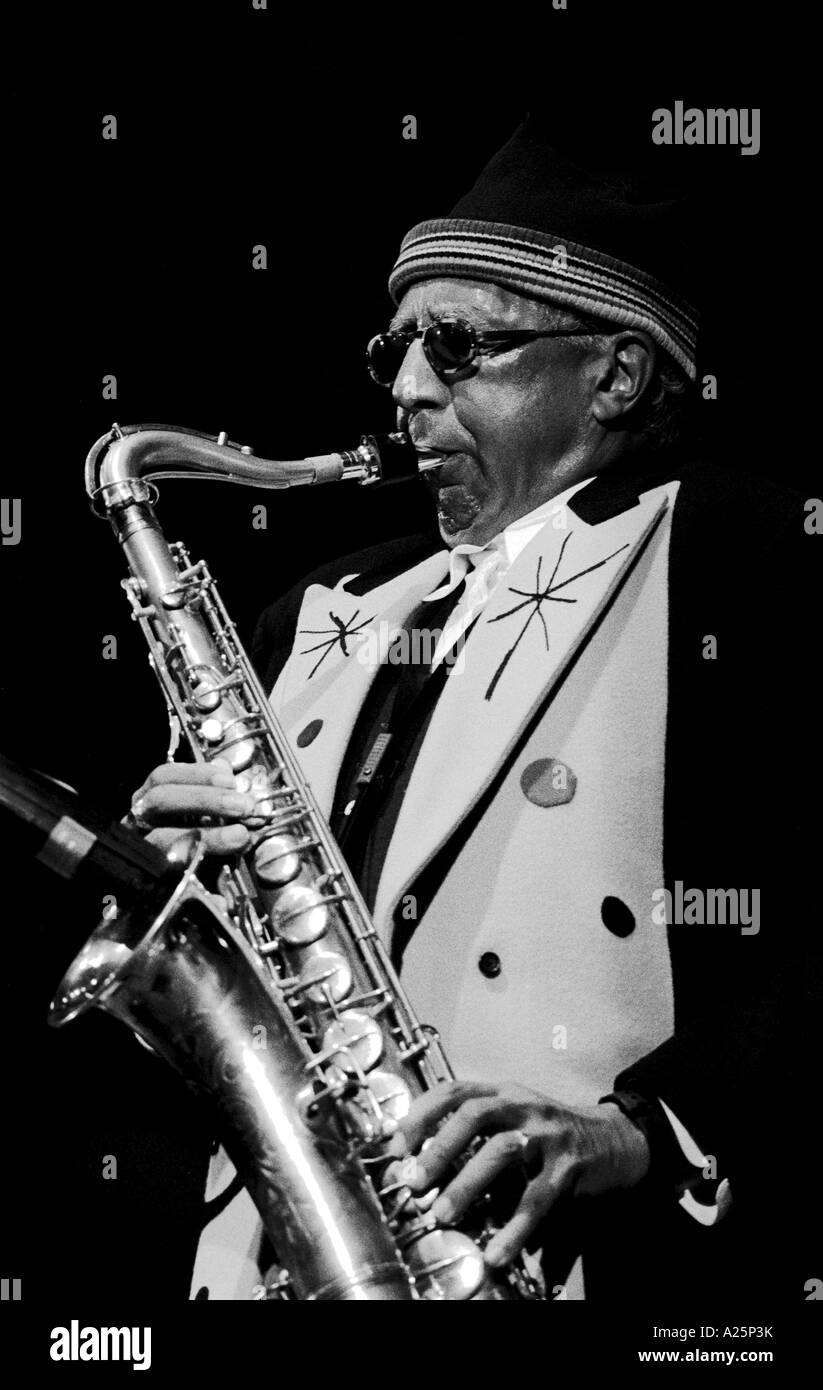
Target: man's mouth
column 430, row 458
column 442, row 464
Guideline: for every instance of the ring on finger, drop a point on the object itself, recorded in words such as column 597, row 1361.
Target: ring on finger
column 136, row 817
column 529, row 1155
column 525, row 1156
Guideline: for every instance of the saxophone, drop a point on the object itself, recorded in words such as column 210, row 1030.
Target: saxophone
column 274, row 996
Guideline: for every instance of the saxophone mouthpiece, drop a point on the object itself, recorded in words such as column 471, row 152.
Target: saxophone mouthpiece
column 426, row 461
column 381, row 458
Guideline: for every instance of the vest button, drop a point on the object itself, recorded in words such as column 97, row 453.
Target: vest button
column 617, row 917
column 309, row 734
column 489, row 965
column 548, row 782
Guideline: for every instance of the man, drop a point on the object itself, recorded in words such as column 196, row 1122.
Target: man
column 577, row 742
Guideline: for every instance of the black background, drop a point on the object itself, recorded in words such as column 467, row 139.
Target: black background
column 157, row 287
column 230, row 136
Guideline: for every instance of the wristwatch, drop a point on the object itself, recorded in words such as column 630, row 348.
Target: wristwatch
column 670, row 1171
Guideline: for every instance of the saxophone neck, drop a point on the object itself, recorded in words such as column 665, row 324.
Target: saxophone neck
column 134, row 454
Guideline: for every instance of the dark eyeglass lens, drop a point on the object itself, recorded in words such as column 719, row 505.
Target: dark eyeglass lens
column 451, row 344
column 386, row 352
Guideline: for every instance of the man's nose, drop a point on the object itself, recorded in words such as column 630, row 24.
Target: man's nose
column 416, row 383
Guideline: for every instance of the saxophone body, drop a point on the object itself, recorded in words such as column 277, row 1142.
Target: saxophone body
column 274, row 995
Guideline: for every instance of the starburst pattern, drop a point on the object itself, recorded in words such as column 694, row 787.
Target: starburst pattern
column 535, row 599
column 332, row 636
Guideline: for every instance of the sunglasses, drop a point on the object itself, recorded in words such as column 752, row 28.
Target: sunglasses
column 451, row 345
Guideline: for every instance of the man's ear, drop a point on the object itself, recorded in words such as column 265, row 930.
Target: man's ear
column 625, row 372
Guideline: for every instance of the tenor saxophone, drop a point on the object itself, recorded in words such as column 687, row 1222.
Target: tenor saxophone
column 273, row 995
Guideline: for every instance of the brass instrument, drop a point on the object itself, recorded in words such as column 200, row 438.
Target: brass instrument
column 274, row 996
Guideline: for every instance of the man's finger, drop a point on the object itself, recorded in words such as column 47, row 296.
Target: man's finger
column 225, row 840
column 430, row 1109
column 476, row 1116
column 168, row 804
column 476, row 1177
column 214, row 774
column 539, row 1198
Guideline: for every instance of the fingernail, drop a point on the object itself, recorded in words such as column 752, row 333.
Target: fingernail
column 398, row 1146
column 494, row 1253
column 223, row 777
column 235, row 835
column 236, row 805
column 443, row 1210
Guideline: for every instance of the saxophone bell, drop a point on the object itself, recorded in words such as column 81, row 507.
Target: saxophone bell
column 176, row 970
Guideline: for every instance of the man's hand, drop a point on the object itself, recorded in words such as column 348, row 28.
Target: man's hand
column 179, row 795
column 585, row 1150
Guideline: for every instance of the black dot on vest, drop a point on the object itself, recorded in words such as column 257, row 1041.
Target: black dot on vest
column 307, row 735
column 617, row 917
column 201, row 1295
column 489, row 965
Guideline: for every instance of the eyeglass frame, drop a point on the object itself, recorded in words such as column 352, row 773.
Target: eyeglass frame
column 484, row 343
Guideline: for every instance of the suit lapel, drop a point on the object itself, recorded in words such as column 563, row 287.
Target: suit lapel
column 535, row 621
column 340, row 642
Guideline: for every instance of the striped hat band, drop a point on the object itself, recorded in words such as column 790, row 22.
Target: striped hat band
column 546, row 267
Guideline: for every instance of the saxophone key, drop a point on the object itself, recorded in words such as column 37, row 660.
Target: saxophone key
column 447, row 1266
column 276, row 860
column 176, row 597
column 211, row 730
column 206, row 696
column 354, row 1041
column 300, row 915
column 393, row 1096
column 326, row 976
column 276, row 1286
column 240, row 752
